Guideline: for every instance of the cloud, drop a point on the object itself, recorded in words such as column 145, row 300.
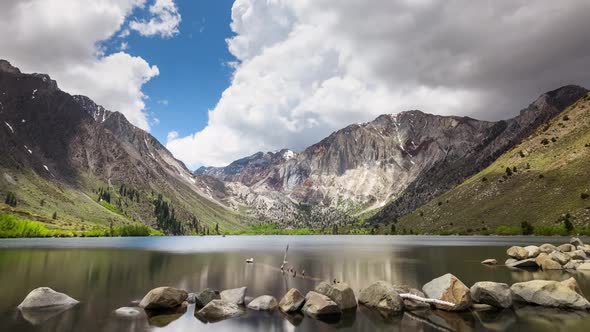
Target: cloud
column 306, row 68
column 164, row 21
column 63, row 39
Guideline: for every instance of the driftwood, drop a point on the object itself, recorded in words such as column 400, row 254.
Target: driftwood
column 425, row 300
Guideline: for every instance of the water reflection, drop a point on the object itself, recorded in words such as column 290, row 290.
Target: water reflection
column 104, row 279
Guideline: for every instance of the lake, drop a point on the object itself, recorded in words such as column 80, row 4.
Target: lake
column 107, row 273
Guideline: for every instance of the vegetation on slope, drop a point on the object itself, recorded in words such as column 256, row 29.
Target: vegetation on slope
column 11, row 226
column 543, row 182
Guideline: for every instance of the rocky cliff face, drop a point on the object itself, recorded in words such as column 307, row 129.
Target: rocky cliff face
column 50, row 138
column 394, row 163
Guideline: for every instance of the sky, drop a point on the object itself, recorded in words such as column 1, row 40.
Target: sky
column 217, row 80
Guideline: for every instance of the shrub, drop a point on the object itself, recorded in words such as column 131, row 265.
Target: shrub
column 569, row 227
column 508, row 171
column 584, row 195
column 550, row 230
column 544, row 141
column 508, row 230
column 527, row 229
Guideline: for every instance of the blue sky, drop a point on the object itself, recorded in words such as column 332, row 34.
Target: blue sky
column 193, row 66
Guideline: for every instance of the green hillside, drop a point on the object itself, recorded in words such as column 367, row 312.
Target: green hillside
column 544, row 181
column 63, row 207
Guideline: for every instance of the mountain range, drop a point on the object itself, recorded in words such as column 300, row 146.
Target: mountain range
column 73, row 164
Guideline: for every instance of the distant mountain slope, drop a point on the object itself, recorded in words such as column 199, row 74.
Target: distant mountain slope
column 397, row 162
column 64, row 154
column 503, row 135
column 539, row 181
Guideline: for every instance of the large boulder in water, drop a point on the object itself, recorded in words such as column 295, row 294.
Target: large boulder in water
column 45, row 297
column 382, row 296
column 525, row 263
column 550, row 264
column 204, row 297
column 263, row 303
column 493, row 293
column 163, row 298
column 517, row 252
column 292, row 301
column 576, row 242
column 319, row 305
column 549, row 293
column 532, row 251
column 448, row 288
column 560, row 257
column 566, row 247
column 340, row 293
column 547, row 248
column 218, row 310
column 235, row 295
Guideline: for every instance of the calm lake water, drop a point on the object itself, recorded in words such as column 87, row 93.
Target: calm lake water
column 108, row 273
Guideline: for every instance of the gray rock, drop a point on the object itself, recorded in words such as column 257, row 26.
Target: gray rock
column 541, row 258
column 578, row 254
column 129, row 312
column 162, row 298
column 204, row 297
column 44, row 297
column 510, row 261
column 572, row 284
column 550, row 264
column 533, row 251
column 340, row 293
column 547, row 248
column 410, row 304
column 560, row 257
column 482, row 307
column 450, row 289
column 191, row 298
column 575, row 241
column 517, row 252
column 319, row 305
column 490, row 261
column 550, row 294
column 572, row 265
column 235, row 295
column 218, row 310
column 383, row 296
column 566, row 247
column 525, row 263
column 292, row 301
column 263, row 303
column 493, row 293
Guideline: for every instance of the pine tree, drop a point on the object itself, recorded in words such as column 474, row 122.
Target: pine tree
column 54, row 216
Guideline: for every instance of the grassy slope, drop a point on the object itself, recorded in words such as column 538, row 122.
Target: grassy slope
column 547, row 185
column 80, row 210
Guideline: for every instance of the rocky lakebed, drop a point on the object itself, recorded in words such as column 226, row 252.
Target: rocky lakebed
column 332, row 301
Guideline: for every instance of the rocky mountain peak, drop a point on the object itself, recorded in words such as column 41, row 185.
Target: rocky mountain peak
column 6, row 67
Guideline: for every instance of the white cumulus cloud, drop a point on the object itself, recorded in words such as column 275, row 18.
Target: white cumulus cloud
column 306, row 68
column 63, row 39
column 164, row 21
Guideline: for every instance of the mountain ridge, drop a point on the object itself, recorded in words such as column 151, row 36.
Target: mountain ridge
column 421, row 160
column 67, row 155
